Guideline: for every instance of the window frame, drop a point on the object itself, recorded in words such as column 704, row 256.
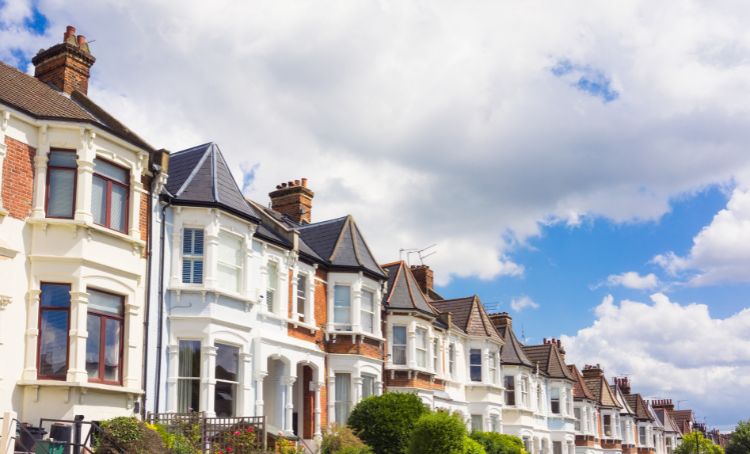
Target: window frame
column 525, row 392
column 301, row 296
column 578, row 419
column 423, row 349
column 452, row 359
column 403, row 346
column 339, row 405
column 238, row 269
column 272, row 285
column 342, row 326
column 365, row 313
column 108, row 195
column 50, row 168
column 192, row 257
column 493, row 367
column 235, row 383
column 472, row 366
column 372, row 389
column 181, row 378
column 435, row 352
column 509, row 383
column 477, row 420
column 607, row 425
column 103, row 317
column 42, row 309
column 555, row 400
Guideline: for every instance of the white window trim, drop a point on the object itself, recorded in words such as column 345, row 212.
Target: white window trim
column 239, row 269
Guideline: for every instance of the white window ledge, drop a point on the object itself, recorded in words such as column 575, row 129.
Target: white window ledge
column 74, row 223
column 70, row 384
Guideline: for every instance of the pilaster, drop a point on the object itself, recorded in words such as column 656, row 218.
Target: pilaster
column 40, row 174
column 84, row 179
column 208, row 380
column 79, row 302
column 32, row 334
column 4, row 117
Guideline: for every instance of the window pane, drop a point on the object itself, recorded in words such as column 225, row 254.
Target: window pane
column 227, row 361
column 342, row 303
column 510, row 390
column 476, row 423
column 224, row 398
column 343, row 389
column 230, row 249
column 192, row 242
column 112, row 352
column 475, row 358
column 399, row 335
column 55, row 295
column 188, row 395
column 368, row 385
column 53, row 344
column 118, row 217
column 105, row 302
column 99, row 200
column 111, row 171
column 229, row 278
column 190, row 359
column 62, row 159
column 61, row 193
column 93, row 326
column 367, row 301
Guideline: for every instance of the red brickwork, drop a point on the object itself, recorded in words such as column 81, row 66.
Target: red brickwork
column 419, row 380
column 586, row 440
column 629, row 449
column 145, row 209
column 611, row 444
column 18, row 178
column 366, row 347
column 320, row 310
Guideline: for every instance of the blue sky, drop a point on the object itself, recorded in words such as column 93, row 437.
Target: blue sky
column 545, row 150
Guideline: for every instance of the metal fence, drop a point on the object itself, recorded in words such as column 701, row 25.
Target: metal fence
column 213, row 434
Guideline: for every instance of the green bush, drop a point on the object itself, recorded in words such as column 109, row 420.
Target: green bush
column 130, row 435
column 175, row 442
column 740, row 441
column 495, row 443
column 472, row 446
column 385, row 422
column 341, row 440
column 438, row 433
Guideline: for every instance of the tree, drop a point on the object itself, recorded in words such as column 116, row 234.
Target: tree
column 696, row 443
column 385, row 422
column 495, row 443
column 438, row 433
column 740, row 441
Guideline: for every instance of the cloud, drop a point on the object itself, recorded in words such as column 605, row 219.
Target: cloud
column 523, row 302
column 720, row 251
column 672, row 350
column 432, row 122
column 632, row 279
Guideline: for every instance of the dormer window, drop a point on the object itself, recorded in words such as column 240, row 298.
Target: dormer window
column 110, row 194
column 367, row 312
column 272, row 279
column 399, row 345
column 301, row 296
column 61, row 184
column 342, row 307
column 192, row 256
column 421, row 347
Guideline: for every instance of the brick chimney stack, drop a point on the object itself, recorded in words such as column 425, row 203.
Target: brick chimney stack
column 663, row 403
column 501, row 320
column 294, row 200
column 592, row 371
column 66, row 66
column 424, row 276
column 624, row 384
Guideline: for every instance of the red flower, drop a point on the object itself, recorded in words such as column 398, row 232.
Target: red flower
column 249, row 430
column 229, row 449
column 237, row 432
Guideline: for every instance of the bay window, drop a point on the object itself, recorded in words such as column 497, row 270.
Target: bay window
column 435, row 355
column 525, row 398
column 110, row 195
column 104, row 323
column 452, row 359
column 342, row 398
column 421, row 347
column 54, row 324
column 555, row 401
column 192, row 256
column 577, row 416
column 61, row 184
column 368, row 311
column 342, row 304
column 227, row 379
column 189, row 376
column 229, row 263
column 272, row 280
column 476, row 423
column 399, row 345
column 475, row 364
column 301, row 296
column 510, row 390
column 607, row 423
column 368, row 385
column 493, row 367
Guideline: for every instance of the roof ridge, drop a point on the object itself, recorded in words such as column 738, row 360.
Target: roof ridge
column 327, row 221
column 193, row 172
column 176, row 153
column 214, row 181
column 395, row 280
column 361, row 237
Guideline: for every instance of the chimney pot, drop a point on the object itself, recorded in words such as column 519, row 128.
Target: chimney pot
column 304, row 182
column 283, row 185
column 69, row 31
column 81, row 40
column 296, row 182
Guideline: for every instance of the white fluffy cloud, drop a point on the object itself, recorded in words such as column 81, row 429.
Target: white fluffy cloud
column 523, row 302
column 632, row 279
column 720, row 251
column 672, row 350
column 465, row 125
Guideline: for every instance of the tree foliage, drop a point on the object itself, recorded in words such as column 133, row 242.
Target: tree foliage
column 495, row 443
column 740, row 442
column 385, row 423
column 696, row 443
column 438, row 433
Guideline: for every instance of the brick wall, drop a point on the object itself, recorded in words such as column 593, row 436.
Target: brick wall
column 65, row 72
column 319, row 309
column 419, row 380
column 366, row 347
column 585, row 440
column 18, row 178
column 145, row 209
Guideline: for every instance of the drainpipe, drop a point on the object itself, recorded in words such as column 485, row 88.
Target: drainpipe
column 159, row 328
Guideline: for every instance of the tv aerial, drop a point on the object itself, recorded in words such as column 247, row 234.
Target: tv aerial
column 421, row 253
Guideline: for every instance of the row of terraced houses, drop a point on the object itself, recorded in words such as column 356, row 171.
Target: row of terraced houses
column 137, row 280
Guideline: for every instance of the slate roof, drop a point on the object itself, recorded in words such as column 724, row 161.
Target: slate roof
column 599, row 388
column 666, row 420
column 682, row 418
column 625, row 408
column 340, row 244
column 580, row 390
column 39, row 100
column 200, row 176
column 403, row 290
column 638, row 405
column 469, row 316
column 547, row 356
column 512, row 351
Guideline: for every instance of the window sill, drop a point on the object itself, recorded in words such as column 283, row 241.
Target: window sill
column 68, row 384
column 334, row 333
column 86, row 225
column 489, row 386
column 201, row 288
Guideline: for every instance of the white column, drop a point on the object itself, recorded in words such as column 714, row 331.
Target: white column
column 259, row 377
column 411, row 345
column 136, row 192
column 169, row 403
column 132, row 361
column 331, row 398
column 79, row 301
column 486, row 365
column 289, row 404
column 356, row 389
column 40, row 174
column 4, row 116
column 377, row 329
column 210, row 250
column 84, row 179
column 317, row 431
column 247, row 261
column 356, row 304
column 310, row 309
column 32, row 334
column 208, row 379
column 329, row 306
column 245, row 404
column 173, row 248
column 293, row 296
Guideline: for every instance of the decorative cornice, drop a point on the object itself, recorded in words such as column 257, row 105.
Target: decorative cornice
column 4, row 301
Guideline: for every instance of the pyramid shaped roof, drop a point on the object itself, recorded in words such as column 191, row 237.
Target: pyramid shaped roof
column 547, row 356
column 469, row 316
column 403, row 291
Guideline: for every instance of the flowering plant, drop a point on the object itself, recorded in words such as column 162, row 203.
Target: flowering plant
column 240, row 440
